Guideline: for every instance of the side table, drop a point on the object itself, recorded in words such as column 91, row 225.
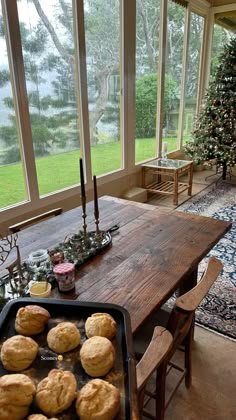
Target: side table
column 171, row 168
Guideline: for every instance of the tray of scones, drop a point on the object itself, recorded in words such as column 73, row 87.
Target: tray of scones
column 66, row 360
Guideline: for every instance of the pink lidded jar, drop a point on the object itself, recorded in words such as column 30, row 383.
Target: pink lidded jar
column 65, row 275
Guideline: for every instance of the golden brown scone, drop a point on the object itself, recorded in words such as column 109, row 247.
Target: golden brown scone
column 98, row 400
column 97, row 356
column 18, row 352
column 101, row 324
column 64, row 337
column 40, row 417
column 31, row 320
column 16, row 395
column 56, row 392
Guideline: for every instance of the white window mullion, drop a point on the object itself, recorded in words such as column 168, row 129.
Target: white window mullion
column 161, row 76
column 183, row 79
column 14, row 47
column 202, row 8
column 128, row 77
column 201, row 73
column 81, row 82
column 206, row 59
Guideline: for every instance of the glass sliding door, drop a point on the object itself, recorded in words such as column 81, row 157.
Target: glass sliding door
column 12, row 184
column 103, row 40
column 147, row 46
column 173, row 73
column 192, row 74
column 49, row 61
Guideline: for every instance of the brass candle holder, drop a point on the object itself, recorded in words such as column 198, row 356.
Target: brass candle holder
column 84, row 215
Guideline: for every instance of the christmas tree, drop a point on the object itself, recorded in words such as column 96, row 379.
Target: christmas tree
column 214, row 134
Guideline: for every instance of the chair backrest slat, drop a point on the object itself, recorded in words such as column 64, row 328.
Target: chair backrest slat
column 154, row 355
column 185, row 305
column 190, row 300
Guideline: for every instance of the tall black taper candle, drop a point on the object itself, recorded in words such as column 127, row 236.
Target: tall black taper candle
column 83, row 196
column 82, row 188
column 95, row 197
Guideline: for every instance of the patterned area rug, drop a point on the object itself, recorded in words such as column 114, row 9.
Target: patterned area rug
column 217, row 311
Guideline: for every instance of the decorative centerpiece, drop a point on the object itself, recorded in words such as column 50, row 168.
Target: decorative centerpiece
column 41, row 264
column 81, row 246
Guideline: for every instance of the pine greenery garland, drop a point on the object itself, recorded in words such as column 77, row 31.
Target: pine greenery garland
column 214, row 133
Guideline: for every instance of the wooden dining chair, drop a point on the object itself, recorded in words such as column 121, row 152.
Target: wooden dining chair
column 25, row 223
column 153, row 357
column 180, row 325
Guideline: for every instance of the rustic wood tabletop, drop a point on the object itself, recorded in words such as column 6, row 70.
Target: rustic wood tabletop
column 154, row 252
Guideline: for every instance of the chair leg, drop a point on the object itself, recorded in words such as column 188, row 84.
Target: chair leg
column 141, row 400
column 188, row 356
column 160, row 391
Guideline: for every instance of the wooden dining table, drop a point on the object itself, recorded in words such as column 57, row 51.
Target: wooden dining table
column 154, row 252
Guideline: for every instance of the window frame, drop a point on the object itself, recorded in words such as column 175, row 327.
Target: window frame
column 70, row 197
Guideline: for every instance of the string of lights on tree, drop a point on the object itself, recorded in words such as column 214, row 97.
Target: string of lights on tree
column 214, row 133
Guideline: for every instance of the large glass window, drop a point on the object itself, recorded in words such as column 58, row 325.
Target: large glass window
column 12, row 185
column 147, row 43
column 193, row 67
column 102, row 35
column 221, row 37
column 49, row 61
column 52, row 57
column 173, row 73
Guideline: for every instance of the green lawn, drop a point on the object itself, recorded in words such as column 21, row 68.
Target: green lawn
column 62, row 170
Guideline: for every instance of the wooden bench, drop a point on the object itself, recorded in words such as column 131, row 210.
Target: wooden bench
column 25, row 223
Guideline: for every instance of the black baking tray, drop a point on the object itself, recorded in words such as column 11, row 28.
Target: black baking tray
column 123, row 375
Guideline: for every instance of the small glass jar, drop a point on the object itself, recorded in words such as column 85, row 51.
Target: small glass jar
column 38, row 259
column 65, row 276
column 56, row 257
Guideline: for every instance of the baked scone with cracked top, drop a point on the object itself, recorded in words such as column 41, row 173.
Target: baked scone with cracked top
column 56, row 392
column 31, row 320
column 64, row 337
column 101, row 324
column 97, row 356
column 18, row 352
column 16, row 395
column 98, row 400
column 40, row 417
